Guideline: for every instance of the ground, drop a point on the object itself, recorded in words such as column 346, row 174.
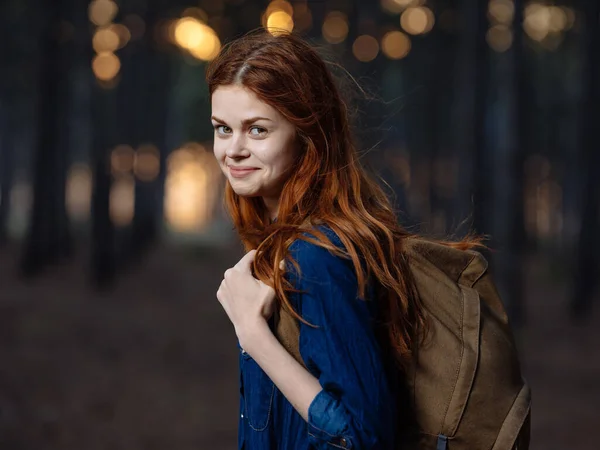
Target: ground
column 151, row 365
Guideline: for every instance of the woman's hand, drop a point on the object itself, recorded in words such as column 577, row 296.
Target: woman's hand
column 248, row 302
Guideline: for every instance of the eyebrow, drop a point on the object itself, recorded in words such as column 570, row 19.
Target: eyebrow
column 244, row 122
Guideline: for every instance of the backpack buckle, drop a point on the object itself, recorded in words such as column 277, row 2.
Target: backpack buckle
column 442, row 442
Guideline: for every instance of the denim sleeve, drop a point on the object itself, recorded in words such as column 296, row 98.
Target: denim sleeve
column 355, row 407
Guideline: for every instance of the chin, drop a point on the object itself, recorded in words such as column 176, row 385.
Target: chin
column 244, row 192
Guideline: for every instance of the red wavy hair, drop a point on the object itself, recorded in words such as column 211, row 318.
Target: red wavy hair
column 328, row 185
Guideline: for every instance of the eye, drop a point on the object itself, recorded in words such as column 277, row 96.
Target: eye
column 257, row 131
column 222, row 129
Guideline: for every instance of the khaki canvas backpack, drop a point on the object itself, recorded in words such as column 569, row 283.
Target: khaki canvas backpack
column 465, row 382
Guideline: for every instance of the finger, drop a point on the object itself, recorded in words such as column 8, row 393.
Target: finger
column 245, row 263
column 221, row 291
column 223, row 295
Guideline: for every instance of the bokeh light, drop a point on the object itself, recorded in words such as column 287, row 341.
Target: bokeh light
column 279, row 17
column 102, row 12
column 302, row 17
column 21, row 202
column 417, row 20
column 146, row 165
column 208, row 51
column 106, row 66
column 78, row 193
column 136, row 26
column 198, row 38
column 280, row 5
column 191, row 191
column 171, row 29
column 196, row 13
column 499, row 38
column 122, row 32
column 547, row 23
column 122, row 200
column 279, row 22
column 501, row 11
column 543, row 198
column 570, row 13
column 121, row 159
column 537, row 21
column 365, row 48
column 189, row 32
column 335, row 27
column 105, row 40
column 166, row 31
column 558, row 19
column 397, row 6
column 395, row 44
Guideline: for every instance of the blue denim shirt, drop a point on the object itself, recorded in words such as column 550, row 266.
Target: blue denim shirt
column 355, row 409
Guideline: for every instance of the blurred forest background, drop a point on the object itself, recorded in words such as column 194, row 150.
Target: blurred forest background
column 482, row 115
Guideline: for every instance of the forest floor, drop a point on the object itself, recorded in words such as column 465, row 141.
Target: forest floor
column 151, row 365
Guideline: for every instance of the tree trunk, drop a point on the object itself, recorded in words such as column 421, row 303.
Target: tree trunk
column 481, row 169
column 152, row 73
column 46, row 231
column 439, row 105
column 471, row 87
column 587, row 264
column 7, row 134
column 103, row 233
column 517, row 242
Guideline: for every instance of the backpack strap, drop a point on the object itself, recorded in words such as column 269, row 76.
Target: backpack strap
column 287, row 330
column 516, row 425
column 474, row 270
column 468, row 364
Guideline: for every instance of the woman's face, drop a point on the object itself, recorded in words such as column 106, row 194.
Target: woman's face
column 254, row 144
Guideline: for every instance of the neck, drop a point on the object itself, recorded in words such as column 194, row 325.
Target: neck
column 272, row 206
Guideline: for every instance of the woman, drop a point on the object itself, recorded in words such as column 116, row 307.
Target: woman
column 296, row 192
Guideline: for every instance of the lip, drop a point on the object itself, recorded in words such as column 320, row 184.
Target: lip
column 241, row 171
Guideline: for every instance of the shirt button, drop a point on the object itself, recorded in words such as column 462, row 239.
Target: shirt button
column 343, row 442
column 242, row 416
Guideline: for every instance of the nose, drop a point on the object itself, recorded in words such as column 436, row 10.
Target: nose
column 237, row 148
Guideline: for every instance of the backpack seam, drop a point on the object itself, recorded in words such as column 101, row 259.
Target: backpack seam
column 462, row 354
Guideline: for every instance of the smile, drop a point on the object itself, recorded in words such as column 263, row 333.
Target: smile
column 240, row 173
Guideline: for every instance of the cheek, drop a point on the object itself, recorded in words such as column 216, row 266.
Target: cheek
column 287, row 159
column 279, row 157
column 219, row 151
column 284, row 165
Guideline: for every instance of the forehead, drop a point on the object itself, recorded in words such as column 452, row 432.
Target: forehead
column 239, row 103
